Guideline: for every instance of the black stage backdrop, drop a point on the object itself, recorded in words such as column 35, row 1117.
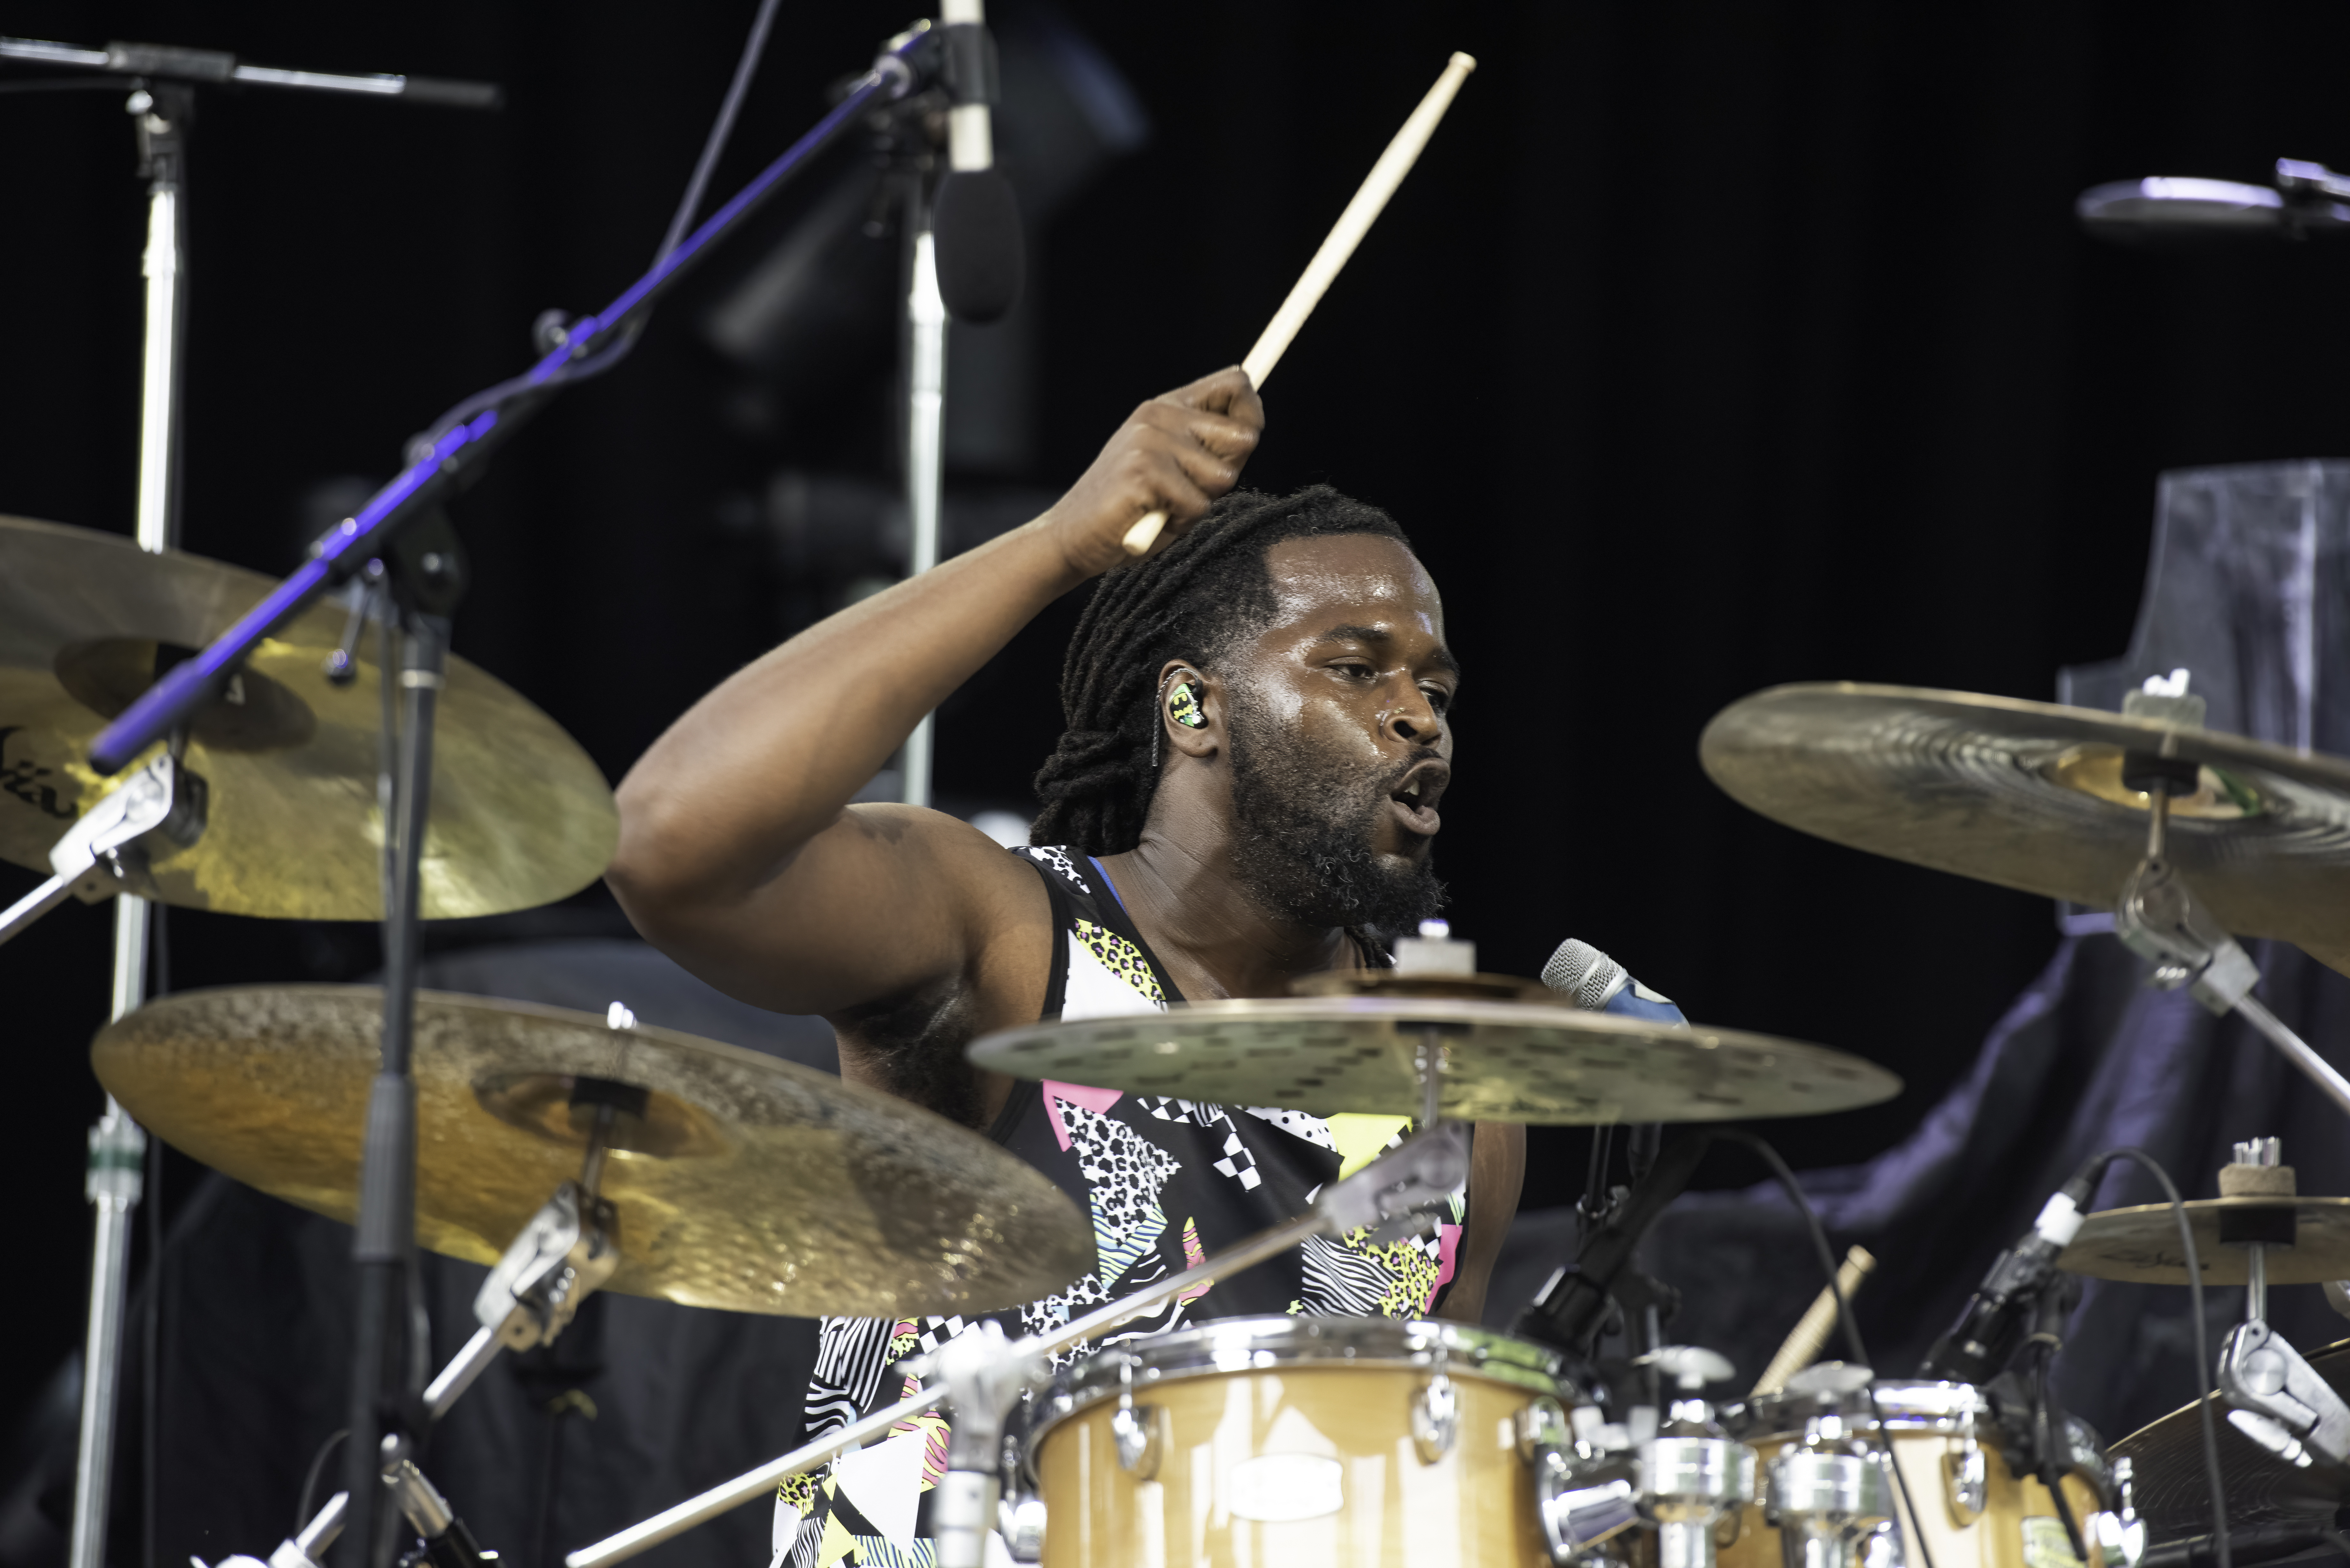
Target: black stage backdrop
column 1712, row 346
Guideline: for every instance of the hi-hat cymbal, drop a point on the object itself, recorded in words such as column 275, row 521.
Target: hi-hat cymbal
column 520, row 815
column 2167, row 1479
column 1506, row 1060
column 2141, row 1244
column 2028, row 795
column 748, row 1183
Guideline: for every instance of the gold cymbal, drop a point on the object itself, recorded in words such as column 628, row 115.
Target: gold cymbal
column 521, row 815
column 1506, row 1060
column 2140, row 1245
column 2028, row 795
column 2167, row 1480
column 749, row 1183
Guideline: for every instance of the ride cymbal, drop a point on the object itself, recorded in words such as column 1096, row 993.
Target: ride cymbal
column 747, row 1183
column 2028, row 795
column 1505, row 1061
column 2141, row 1245
column 521, row 816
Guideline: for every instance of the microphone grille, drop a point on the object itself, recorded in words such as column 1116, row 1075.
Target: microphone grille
column 1584, row 972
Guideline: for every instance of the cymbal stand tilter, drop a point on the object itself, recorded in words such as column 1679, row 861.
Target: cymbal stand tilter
column 569, row 1248
column 2159, row 918
column 1389, row 1197
column 2275, row 1398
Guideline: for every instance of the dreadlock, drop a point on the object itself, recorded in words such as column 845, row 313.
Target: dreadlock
column 1192, row 601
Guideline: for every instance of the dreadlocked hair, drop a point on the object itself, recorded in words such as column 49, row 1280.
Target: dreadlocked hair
column 1192, row 601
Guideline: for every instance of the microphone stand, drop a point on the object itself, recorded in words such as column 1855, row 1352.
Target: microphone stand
column 163, row 79
column 402, row 525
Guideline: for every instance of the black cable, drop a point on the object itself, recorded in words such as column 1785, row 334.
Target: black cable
column 604, row 359
column 1851, row 1326
column 310, row 1482
column 2212, row 1472
column 2043, row 1444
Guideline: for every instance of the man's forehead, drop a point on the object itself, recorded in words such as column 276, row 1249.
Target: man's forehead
column 1367, row 575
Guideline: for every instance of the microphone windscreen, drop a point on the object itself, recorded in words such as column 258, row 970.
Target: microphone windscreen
column 1584, row 972
column 981, row 255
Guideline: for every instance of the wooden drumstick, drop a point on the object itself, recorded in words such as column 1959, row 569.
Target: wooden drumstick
column 1811, row 1331
column 1344, row 235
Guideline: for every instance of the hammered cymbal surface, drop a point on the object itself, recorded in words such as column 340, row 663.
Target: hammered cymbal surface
column 1974, row 785
column 2140, row 1245
column 2168, row 1483
column 521, row 814
column 759, row 1185
column 1505, row 1062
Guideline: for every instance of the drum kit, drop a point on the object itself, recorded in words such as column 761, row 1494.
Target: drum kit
column 175, row 730
column 572, row 1153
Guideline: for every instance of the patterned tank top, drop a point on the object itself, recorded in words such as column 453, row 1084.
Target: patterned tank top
column 1166, row 1181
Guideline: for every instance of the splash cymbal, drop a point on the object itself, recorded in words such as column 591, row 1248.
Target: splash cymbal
column 2028, row 795
column 521, row 815
column 1507, row 1061
column 747, row 1183
column 2140, row 1245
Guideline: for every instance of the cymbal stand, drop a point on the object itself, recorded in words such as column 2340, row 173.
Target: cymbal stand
column 1386, row 1196
column 563, row 1254
column 162, row 81
column 2159, row 918
column 442, row 463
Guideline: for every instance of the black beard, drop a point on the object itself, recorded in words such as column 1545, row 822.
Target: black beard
column 1303, row 825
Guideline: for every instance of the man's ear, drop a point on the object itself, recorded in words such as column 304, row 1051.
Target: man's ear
column 1191, row 710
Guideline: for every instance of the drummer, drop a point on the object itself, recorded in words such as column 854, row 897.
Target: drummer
column 1247, row 792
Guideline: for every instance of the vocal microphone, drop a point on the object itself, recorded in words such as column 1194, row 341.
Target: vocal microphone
column 1599, row 984
column 1979, row 1345
column 975, row 221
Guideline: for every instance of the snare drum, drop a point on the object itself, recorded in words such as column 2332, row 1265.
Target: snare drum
column 1349, row 1442
column 1821, row 1494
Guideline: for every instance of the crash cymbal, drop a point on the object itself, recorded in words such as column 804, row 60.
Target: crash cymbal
column 1506, row 1060
column 2141, row 1245
column 2028, row 795
column 520, row 815
column 2167, row 1479
column 748, row 1183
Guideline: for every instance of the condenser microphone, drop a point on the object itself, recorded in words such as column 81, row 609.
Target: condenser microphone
column 1599, row 984
column 1989, row 1327
column 981, row 253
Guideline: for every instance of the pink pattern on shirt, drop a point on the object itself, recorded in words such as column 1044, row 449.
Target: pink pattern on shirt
column 1097, row 1101
column 1448, row 1245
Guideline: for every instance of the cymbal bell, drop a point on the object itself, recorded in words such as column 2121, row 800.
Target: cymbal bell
column 1506, row 1060
column 747, row 1182
column 2141, row 1244
column 521, row 814
column 2028, row 795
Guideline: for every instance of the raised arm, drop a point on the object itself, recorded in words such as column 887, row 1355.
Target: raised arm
column 739, row 854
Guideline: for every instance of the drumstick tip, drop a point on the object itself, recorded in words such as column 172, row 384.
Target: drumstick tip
column 1467, row 62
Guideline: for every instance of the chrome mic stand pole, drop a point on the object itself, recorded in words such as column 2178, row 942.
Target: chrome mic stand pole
column 926, row 401
column 118, row 1149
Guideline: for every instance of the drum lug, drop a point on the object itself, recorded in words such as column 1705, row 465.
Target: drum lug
column 1580, row 1511
column 2118, row 1537
column 1435, row 1417
column 1966, row 1479
column 1022, row 1521
column 1541, row 1429
column 1135, row 1429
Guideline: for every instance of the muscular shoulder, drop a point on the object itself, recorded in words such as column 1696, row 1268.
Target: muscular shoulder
column 908, row 1039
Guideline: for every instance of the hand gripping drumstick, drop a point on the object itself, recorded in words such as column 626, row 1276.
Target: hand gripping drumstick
column 1344, row 235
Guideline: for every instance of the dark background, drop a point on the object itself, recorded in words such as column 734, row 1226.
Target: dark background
column 1711, row 346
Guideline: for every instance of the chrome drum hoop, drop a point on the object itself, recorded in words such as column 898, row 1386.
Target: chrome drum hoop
column 1245, row 1345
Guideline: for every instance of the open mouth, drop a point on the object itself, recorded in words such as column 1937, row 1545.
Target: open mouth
column 1414, row 799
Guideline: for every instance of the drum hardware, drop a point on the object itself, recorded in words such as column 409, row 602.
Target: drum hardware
column 1829, row 1495
column 1692, row 1473
column 157, row 811
column 1387, row 1197
column 1134, row 1428
column 1435, row 1413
